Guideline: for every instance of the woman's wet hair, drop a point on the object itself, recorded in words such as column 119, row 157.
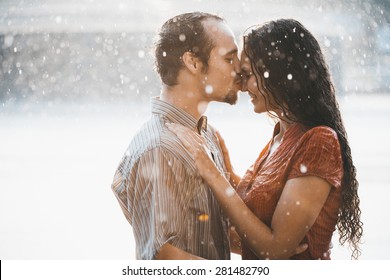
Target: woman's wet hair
column 289, row 66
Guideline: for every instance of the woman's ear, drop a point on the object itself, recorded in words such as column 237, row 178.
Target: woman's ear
column 191, row 62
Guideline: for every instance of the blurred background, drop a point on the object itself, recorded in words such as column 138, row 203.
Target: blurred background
column 76, row 78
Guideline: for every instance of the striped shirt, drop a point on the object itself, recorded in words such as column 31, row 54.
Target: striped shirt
column 162, row 194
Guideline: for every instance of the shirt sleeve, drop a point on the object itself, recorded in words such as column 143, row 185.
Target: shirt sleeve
column 157, row 202
column 319, row 155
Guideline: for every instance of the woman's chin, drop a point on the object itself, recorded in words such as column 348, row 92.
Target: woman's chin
column 258, row 109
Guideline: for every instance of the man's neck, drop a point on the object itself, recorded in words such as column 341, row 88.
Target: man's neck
column 185, row 99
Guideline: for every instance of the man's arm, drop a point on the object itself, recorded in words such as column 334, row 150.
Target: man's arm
column 170, row 252
column 159, row 207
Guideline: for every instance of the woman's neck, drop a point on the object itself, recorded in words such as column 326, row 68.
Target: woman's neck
column 278, row 138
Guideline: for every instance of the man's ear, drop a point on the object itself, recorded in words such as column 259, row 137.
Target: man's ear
column 191, row 62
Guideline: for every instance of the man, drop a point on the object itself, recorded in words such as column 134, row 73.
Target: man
column 173, row 213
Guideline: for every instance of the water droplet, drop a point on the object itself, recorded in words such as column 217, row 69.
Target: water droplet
column 222, row 51
column 202, row 106
column 230, row 192
column 182, row 37
column 327, row 43
column 209, row 89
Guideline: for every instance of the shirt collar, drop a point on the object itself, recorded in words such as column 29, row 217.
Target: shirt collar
column 292, row 129
column 176, row 115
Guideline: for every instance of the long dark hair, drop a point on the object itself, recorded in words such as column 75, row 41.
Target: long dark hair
column 288, row 60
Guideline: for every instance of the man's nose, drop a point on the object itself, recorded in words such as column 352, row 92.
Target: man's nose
column 237, row 66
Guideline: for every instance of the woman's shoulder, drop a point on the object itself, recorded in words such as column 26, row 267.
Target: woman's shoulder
column 317, row 138
column 320, row 133
column 323, row 129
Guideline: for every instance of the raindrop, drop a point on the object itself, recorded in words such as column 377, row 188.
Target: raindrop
column 209, row 89
column 202, row 106
column 230, row 192
column 182, row 37
column 303, row 168
column 327, row 43
column 8, row 41
column 222, row 51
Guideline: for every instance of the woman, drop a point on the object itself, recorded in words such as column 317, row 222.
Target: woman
column 303, row 183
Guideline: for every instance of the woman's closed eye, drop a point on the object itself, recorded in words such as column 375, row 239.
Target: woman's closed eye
column 246, row 75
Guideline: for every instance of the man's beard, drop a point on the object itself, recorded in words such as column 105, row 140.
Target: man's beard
column 231, row 98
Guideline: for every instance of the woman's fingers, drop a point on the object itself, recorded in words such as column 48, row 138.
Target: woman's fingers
column 196, row 146
column 190, row 139
column 225, row 152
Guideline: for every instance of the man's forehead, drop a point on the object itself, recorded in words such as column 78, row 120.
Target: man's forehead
column 227, row 51
column 225, row 44
column 222, row 36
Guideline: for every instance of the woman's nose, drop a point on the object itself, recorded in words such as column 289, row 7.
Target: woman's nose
column 244, row 86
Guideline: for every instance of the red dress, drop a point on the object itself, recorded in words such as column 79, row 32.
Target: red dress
column 302, row 152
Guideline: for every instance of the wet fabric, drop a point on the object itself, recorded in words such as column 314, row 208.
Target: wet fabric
column 162, row 194
column 302, row 152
